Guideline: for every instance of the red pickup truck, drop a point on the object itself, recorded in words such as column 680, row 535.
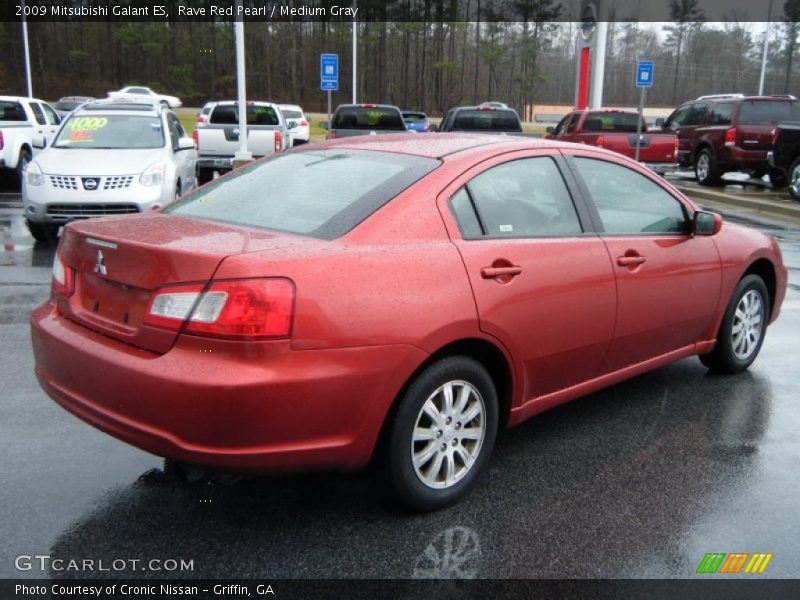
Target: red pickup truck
column 616, row 130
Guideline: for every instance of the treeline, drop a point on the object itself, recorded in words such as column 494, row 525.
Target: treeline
column 428, row 65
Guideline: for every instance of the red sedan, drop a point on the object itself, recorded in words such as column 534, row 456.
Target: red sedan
column 418, row 293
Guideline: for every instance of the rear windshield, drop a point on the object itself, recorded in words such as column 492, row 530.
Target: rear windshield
column 256, row 115
column 110, row 132
column 414, row 116
column 292, row 114
column 319, row 193
column 486, row 120
column 768, row 112
column 619, row 122
column 361, row 117
column 12, row 111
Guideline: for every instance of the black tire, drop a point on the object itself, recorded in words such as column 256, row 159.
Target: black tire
column 778, row 179
column 705, row 168
column 794, row 180
column 204, row 175
column 22, row 164
column 446, row 449
column 43, row 232
column 725, row 358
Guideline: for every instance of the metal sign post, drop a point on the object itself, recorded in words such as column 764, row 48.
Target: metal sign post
column 329, row 78
column 644, row 80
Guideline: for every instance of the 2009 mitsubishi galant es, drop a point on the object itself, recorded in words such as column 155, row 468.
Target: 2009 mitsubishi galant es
column 410, row 295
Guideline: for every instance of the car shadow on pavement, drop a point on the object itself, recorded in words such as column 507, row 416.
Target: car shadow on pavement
column 596, row 488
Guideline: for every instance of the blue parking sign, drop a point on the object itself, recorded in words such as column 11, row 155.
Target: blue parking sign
column 329, row 71
column 644, row 73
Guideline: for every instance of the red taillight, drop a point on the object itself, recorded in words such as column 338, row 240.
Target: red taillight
column 730, row 137
column 278, row 141
column 196, row 136
column 486, row 108
column 1, row 140
column 368, row 105
column 775, row 133
column 62, row 281
column 600, row 141
column 242, row 309
column 303, row 123
column 333, row 135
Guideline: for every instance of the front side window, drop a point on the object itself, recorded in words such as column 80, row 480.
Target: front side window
column 521, row 198
column 320, row 193
column 628, row 202
column 696, row 114
column 52, row 116
column 678, row 118
column 38, row 113
column 110, row 132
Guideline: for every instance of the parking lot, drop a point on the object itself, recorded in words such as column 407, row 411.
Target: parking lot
column 639, row 480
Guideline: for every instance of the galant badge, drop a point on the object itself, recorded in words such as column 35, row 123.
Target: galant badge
column 99, row 267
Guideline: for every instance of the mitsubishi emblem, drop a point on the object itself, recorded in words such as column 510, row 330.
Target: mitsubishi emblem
column 99, row 267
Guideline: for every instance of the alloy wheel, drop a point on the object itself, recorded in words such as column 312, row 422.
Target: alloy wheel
column 748, row 324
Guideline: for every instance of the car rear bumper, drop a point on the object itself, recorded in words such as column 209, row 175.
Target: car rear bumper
column 266, row 408
column 215, row 162
column 735, row 157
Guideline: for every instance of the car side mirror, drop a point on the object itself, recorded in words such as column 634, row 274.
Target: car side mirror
column 550, row 130
column 185, row 143
column 706, row 223
column 323, row 124
column 291, row 125
column 39, row 142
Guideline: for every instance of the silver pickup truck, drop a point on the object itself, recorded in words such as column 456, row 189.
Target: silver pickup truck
column 218, row 139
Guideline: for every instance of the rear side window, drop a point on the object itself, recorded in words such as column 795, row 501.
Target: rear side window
column 768, row 112
column 292, row 114
column 319, row 193
column 256, row 115
column 721, row 114
column 486, row 120
column 614, row 122
column 362, row 117
column 520, row 198
column 410, row 116
column 630, row 203
column 12, row 111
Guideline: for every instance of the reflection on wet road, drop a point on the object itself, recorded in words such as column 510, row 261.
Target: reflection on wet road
column 639, row 480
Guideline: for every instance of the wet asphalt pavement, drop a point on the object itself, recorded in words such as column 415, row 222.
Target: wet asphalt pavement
column 639, row 480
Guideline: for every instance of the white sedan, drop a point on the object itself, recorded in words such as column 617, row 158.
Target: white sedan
column 292, row 112
column 135, row 93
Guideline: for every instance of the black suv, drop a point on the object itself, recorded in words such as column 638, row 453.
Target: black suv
column 717, row 134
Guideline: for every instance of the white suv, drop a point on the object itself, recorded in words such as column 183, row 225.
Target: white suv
column 108, row 158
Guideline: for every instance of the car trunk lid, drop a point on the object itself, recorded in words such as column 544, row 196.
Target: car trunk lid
column 119, row 262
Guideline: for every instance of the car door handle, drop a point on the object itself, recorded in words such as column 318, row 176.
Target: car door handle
column 495, row 272
column 630, row 261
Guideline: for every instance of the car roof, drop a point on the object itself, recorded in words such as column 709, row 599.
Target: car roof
column 19, row 99
column 290, row 107
column 135, row 108
column 440, row 145
column 248, row 103
column 368, row 105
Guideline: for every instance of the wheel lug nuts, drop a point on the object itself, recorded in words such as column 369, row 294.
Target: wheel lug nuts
column 448, row 421
column 455, row 441
column 444, row 447
column 458, row 425
column 439, row 433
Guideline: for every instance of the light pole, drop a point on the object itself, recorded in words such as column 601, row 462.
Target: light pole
column 27, row 51
column 355, row 51
column 243, row 154
column 766, row 48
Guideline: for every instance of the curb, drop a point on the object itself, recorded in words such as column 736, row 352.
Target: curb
column 766, row 207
